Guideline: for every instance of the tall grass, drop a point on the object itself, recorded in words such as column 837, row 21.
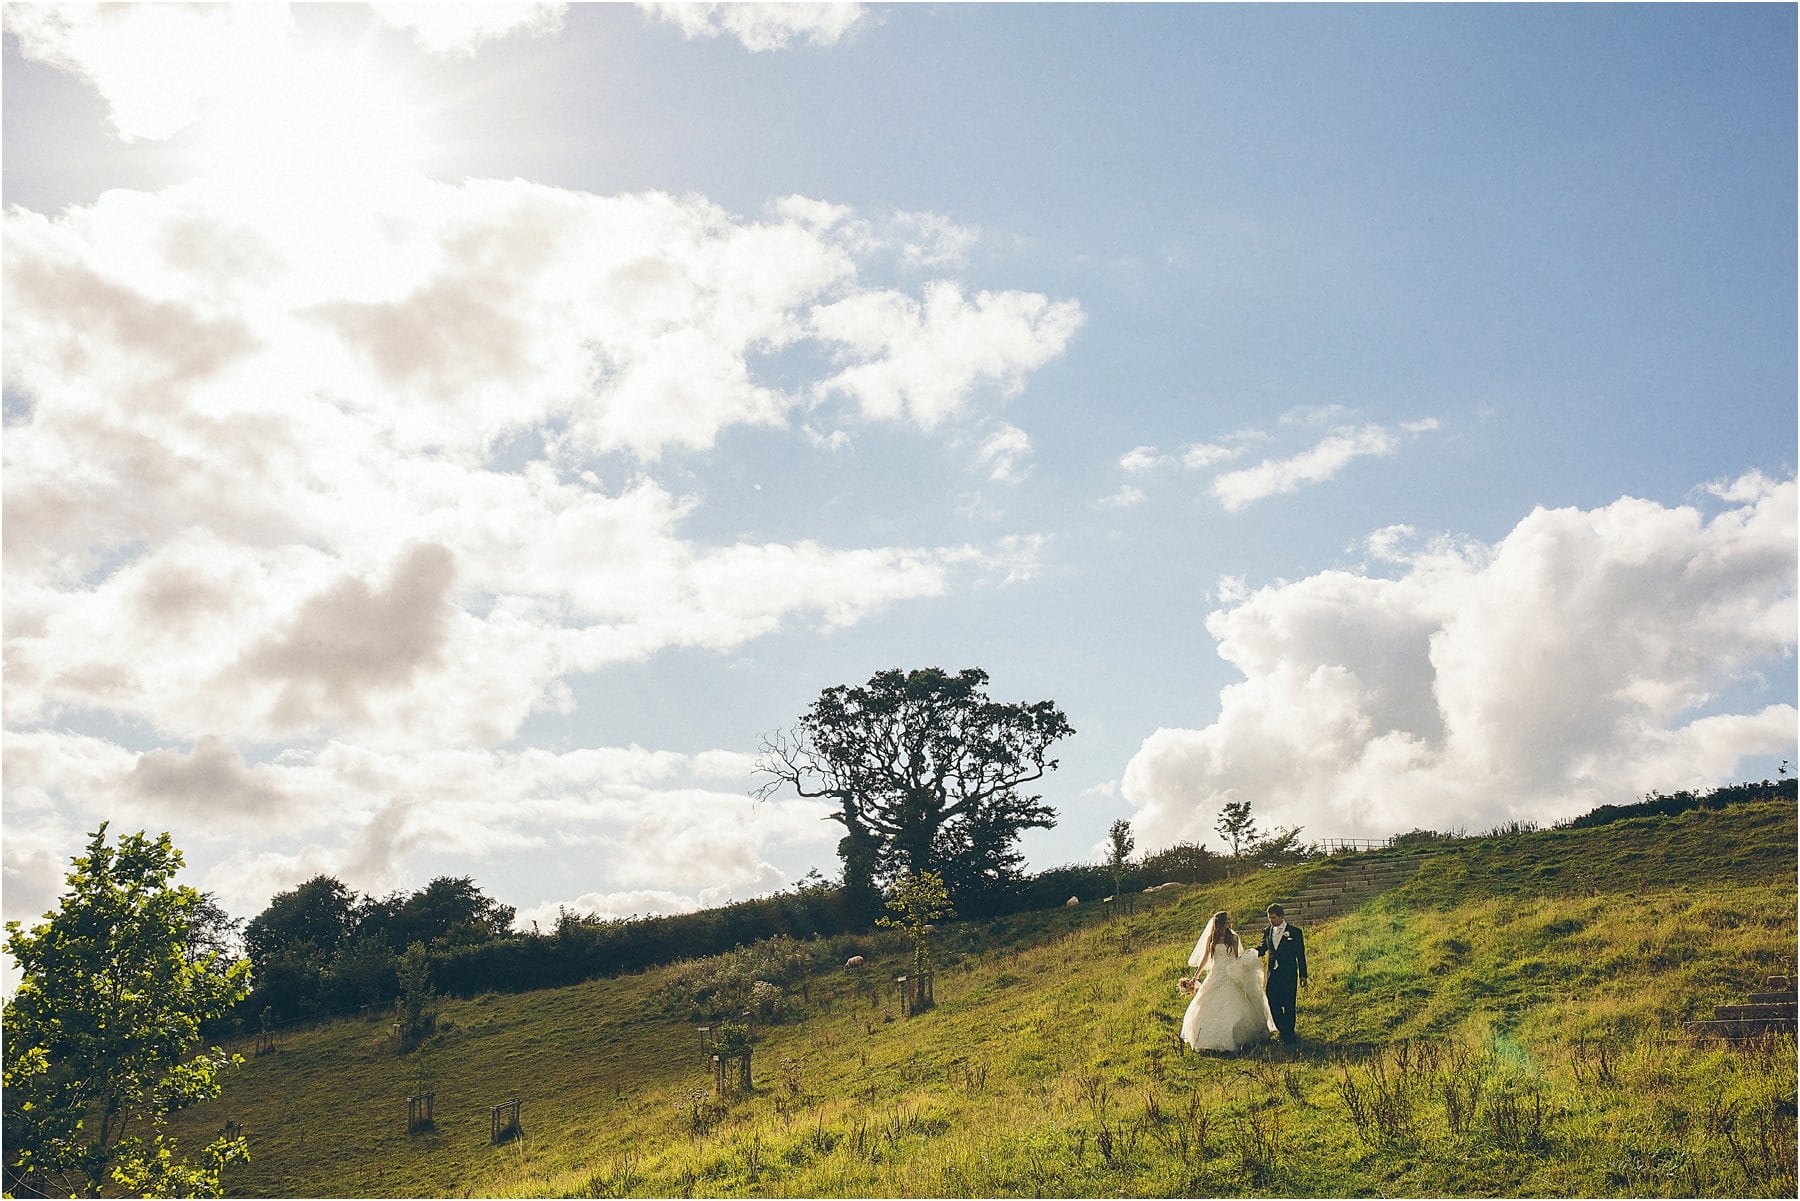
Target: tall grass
column 1506, row 1022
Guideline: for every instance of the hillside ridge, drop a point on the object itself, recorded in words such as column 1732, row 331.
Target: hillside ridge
column 1050, row 1064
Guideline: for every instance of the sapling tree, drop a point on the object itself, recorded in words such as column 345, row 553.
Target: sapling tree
column 1119, row 844
column 417, row 1006
column 916, row 901
column 102, row 1033
column 1236, row 826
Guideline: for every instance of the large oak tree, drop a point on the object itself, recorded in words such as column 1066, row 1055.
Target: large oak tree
column 925, row 770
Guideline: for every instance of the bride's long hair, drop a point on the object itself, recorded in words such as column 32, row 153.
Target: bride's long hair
column 1217, row 931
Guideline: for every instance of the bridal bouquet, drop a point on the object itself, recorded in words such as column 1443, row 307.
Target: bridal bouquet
column 1187, row 985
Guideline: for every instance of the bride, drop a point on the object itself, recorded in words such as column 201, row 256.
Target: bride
column 1229, row 1009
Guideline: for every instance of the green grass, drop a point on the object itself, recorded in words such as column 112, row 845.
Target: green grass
column 1507, row 1022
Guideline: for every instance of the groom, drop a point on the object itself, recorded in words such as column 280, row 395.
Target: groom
column 1284, row 949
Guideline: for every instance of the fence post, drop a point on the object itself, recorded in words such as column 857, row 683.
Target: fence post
column 503, row 1121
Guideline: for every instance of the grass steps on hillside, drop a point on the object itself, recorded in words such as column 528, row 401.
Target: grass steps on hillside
column 1774, row 1010
column 1346, row 889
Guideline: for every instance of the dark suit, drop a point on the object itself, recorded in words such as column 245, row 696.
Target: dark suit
column 1287, row 969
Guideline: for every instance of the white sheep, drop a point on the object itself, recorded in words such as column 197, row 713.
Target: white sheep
column 854, row 961
column 1071, row 902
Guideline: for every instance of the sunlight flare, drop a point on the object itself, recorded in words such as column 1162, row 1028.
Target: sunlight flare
column 313, row 118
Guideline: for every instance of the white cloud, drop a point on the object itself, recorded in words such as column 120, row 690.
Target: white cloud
column 1198, row 456
column 459, row 28
column 1140, row 459
column 761, row 26
column 1143, row 460
column 161, row 68
column 1016, row 558
column 157, row 66
column 1318, row 416
column 620, row 818
column 1128, row 496
column 931, row 240
column 1388, row 543
column 1745, row 489
column 635, row 902
column 922, row 360
column 380, row 581
column 1571, row 664
column 1005, row 454
column 351, row 638
column 818, row 440
column 341, row 501
column 1238, row 489
column 212, row 780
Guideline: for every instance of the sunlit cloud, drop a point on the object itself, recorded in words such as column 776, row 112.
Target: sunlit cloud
column 1579, row 661
column 923, row 359
column 637, row 817
column 1236, row 490
column 362, row 344
column 761, row 26
column 460, row 28
column 157, row 66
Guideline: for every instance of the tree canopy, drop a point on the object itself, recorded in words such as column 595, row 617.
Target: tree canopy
column 101, row 1034
column 925, row 769
column 320, row 913
column 1237, row 826
column 320, row 946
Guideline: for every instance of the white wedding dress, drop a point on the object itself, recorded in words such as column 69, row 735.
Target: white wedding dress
column 1229, row 1010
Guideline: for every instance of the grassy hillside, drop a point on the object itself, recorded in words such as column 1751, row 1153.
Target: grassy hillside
column 1507, row 1022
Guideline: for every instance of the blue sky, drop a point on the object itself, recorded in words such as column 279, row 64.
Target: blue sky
column 445, row 440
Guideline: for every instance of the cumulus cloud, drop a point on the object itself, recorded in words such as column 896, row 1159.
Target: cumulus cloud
column 160, row 68
column 1238, row 489
column 763, row 26
column 606, row 820
column 458, row 29
column 314, row 468
column 1388, row 543
column 1576, row 662
column 923, row 359
column 352, row 637
column 212, row 780
column 156, row 65
column 382, row 580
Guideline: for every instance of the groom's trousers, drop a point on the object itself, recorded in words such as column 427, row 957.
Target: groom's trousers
column 1283, row 990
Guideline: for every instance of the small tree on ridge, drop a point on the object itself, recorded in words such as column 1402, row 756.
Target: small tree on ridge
column 1120, row 844
column 1236, row 826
